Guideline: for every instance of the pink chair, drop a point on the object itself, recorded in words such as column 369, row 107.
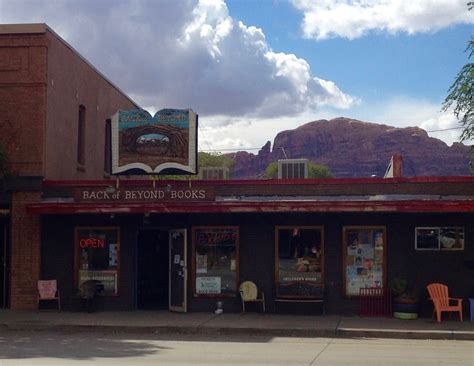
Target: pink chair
column 47, row 291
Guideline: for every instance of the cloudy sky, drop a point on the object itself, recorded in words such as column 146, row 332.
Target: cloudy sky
column 251, row 68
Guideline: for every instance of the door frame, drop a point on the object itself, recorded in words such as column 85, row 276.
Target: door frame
column 181, row 309
column 4, row 265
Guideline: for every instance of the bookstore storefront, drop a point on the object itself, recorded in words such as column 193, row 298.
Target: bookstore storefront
column 185, row 254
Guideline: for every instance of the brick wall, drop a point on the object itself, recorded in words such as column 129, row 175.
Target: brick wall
column 72, row 82
column 23, row 101
column 25, row 252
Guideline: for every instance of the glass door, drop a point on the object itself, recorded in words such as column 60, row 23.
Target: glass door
column 178, row 271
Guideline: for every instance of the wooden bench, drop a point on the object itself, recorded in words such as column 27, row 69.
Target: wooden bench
column 301, row 292
column 296, row 300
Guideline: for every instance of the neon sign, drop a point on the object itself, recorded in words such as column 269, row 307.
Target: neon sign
column 92, row 243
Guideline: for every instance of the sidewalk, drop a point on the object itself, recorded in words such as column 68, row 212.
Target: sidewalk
column 249, row 323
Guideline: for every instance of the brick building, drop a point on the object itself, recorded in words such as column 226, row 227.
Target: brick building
column 184, row 245
column 49, row 95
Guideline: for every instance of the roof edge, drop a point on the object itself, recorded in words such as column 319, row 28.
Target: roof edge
column 250, row 182
column 88, row 63
column 23, row 28
column 43, row 28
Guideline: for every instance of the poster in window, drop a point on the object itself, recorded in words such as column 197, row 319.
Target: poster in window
column 97, row 258
column 201, row 263
column 208, row 285
column 363, row 258
column 215, row 260
column 113, row 255
column 300, row 262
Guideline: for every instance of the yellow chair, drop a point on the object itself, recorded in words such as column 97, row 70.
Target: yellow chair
column 442, row 302
column 249, row 293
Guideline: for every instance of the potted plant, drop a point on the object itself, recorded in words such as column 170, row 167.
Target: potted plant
column 405, row 300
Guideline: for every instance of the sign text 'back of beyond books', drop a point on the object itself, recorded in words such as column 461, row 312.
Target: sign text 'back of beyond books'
column 168, row 140
column 148, row 195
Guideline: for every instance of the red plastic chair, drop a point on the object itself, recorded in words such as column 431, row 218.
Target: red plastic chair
column 47, row 291
column 441, row 300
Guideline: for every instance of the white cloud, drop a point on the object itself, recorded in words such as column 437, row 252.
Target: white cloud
column 183, row 54
column 355, row 18
column 238, row 133
column 222, row 132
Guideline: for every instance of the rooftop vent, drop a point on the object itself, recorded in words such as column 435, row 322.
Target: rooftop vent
column 214, row 173
column 293, row 169
column 394, row 169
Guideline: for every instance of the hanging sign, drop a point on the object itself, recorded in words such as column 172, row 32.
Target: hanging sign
column 165, row 143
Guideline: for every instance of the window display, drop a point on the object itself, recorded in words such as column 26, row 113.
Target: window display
column 299, row 262
column 439, row 238
column 364, row 258
column 215, row 261
column 97, row 259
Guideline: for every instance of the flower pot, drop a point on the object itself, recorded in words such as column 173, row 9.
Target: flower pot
column 405, row 308
column 405, row 316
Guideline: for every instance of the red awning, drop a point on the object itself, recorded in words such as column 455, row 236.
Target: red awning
column 267, row 206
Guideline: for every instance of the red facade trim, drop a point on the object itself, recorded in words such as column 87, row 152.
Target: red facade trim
column 222, row 207
column 259, row 182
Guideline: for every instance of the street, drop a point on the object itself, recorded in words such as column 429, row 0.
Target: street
column 64, row 348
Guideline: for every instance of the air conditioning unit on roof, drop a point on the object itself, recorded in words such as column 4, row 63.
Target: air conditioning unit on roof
column 214, row 173
column 293, row 169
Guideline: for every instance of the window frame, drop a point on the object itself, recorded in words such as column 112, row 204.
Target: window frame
column 277, row 259
column 344, row 255
column 440, row 247
column 194, row 229
column 108, row 147
column 81, row 138
column 77, row 254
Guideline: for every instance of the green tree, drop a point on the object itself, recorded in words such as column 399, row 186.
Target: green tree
column 461, row 96
column 314, row 171
column 272, row 171
column 215, row 160
column 319, row 171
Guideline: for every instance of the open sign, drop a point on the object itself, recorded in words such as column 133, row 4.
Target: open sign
column 92, row 243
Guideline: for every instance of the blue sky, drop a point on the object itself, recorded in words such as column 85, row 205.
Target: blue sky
column 378, row 65
column 252, row 68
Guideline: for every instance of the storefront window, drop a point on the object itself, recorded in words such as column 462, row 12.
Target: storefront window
column 97, row 259
column 299, row 262
column 439, row 238
column 364, row 251
column 215, row 261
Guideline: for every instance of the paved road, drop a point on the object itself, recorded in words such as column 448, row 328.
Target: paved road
column 48, row 348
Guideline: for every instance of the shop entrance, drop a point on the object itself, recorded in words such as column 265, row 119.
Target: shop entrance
column 162, row 269
column 3, row 262
column 153, row 269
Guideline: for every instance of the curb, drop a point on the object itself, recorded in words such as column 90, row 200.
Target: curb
column 276, row 332
column 405, row 334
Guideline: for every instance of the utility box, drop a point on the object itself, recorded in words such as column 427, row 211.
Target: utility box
column 214, row 173
column 293, row 169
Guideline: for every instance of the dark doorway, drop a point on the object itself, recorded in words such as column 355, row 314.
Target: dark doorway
column 152, row 269
column 3, row 262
